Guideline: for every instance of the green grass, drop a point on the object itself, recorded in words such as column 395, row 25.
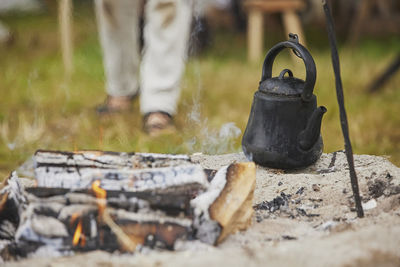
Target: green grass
column 41, row 109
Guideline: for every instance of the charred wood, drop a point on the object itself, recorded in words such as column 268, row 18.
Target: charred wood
column 139, row 200
column 107, row 160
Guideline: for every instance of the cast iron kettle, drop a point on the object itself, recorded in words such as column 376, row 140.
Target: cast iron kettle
column 284, row 125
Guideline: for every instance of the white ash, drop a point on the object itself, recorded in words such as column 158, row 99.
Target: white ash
column 27, row 169
column 335, row 238
column 165, row 156
column 203, row 201
column 49, row 252
column 207, row 229
column 108, row 160
column 37, row 228
column 150, row 217
column 7, row 230
column 326, row 226
column 81, row 209
column 192, row 245
column 371, row 204
column 46, row 207
column 132, row 204
column 123, row 179
column 25, row 232
column 16, row 192
column 3, row 245
column 17, row 203
column 49, row 227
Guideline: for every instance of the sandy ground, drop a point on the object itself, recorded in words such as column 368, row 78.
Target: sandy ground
column 302, row 218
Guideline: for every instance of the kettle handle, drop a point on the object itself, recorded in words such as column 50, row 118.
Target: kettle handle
column 301, row 52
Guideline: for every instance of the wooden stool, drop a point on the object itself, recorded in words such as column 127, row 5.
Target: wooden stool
column 255, row 21
column 65, row 25
column 375, row 15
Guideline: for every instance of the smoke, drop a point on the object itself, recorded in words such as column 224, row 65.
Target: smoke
column 222, row 140
column 210, row 140
column 28, row 131
column 203, row 137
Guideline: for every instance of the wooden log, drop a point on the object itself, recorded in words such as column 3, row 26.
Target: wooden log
column 119, row 171
column 107, row 159
column 292, row 24
column 273, row 6
column 143, row 206
column 12, row 202
column 255, row 35
column 187, row 178
column 233, row 207
column 65, row 25
column 228, row 202
column 153, row 230
column 58, row 230
column 169, row 202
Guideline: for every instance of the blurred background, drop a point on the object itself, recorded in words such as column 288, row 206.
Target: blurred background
column 50, row 84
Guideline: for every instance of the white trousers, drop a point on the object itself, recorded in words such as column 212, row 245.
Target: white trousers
column 4, row 33
column 166, row 34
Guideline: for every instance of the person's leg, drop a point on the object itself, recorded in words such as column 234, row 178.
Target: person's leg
column 4, row 33
column 118, row 29
column 166, row 35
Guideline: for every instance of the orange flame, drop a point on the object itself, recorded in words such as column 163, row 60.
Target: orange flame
column 77, row 234
column 100, row 194
column 74, row 216
column 83, row 240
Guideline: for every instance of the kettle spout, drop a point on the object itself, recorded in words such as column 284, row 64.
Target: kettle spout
column 311, row 133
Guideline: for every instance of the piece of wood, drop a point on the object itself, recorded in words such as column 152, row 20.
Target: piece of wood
column 171, row 203
column 255, row 30
column 150, row 229
column 373, row 17
column 274, row 6
column 292, row 24
column 361, row 13
column 128, row 172
column 116, row 229
column 12, row 202
column 65, row 24
column 233, row 207
column 255, row 35
column 143, row 206
column 186, row 178
column 107, row 159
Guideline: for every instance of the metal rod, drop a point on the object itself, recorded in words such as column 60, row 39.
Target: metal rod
column 385, row 76
column 343, row 116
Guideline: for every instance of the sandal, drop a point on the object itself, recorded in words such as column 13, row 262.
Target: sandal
column 115, row 104
column 158, row 123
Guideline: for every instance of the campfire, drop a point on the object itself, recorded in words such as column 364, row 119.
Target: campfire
column 128, row 202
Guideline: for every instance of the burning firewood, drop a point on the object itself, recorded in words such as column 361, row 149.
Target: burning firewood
column 106, row 160
column 12, row 202
column 121, row 172
column 227, row 204
column 115, row 201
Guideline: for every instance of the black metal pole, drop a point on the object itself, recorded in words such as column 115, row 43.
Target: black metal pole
column 389, row 72
column 343, row 116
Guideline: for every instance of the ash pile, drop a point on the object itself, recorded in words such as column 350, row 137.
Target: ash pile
column 126, row 202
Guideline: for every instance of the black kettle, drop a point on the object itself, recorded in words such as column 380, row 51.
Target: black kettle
column 284, row 125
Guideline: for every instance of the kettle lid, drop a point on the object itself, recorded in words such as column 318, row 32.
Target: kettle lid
column 283, row 85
